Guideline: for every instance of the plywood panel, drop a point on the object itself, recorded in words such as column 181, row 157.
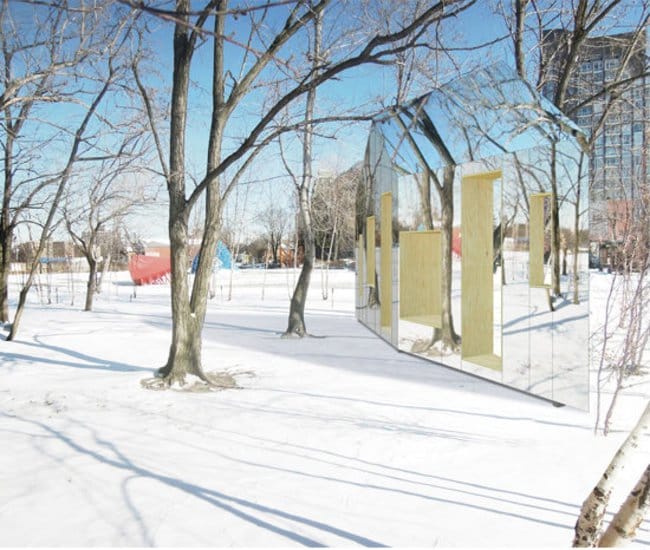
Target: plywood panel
column 536, row 239
column 386, row 259
column 477, row 292
column 370, row 251
column 419, row 277
column 360, row 267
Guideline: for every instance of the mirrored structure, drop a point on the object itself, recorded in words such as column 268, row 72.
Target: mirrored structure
column 472, row 247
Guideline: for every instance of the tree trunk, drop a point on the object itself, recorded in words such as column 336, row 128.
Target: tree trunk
column 188, row 311
column 296, row 325
column 323, row 284
column 325, row 265
column 555, row 225
column 232, row 270
column 424, row 187
column 185, row 350
column 576, row 243
column 623, row 527
column 6, row 229
column 22, row 299
column 91, row 285
column 447, row 334
column 5, row 267
column 106, row 264
column 588, row 526
column 274, row 250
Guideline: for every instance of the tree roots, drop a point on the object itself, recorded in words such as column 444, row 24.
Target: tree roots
column 212, row 381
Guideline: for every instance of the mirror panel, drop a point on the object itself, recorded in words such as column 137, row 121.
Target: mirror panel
column 473, row 231
column 515, row 281
column 386, row 268
column 571, row 307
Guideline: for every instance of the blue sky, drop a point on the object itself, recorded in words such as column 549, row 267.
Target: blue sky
column 355, row 88
column 477, row 25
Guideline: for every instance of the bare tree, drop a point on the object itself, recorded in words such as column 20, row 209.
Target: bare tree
column 622, row 335
column 228, row 93
column 40, row 57
column 274, row 220
column 109, row 194
column 304, row 191
column 104, row 68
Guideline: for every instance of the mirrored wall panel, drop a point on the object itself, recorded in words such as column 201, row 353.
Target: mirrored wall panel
column 472, row 246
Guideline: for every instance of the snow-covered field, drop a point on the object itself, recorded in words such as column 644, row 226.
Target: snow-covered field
column 338, row 440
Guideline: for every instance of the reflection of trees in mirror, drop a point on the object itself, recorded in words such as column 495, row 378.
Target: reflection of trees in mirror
column 445, row 336
column 333, row 218
column 566, row 64
column 367, row 205
column 566, row 173
column 510, row 130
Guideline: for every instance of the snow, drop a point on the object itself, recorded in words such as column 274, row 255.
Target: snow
column 338, row 440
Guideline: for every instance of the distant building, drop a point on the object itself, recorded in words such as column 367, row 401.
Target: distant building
column 57, row 256
column 619, row 163
column 55, row 251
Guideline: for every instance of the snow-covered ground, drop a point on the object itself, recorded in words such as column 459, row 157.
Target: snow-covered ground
column 338, row 440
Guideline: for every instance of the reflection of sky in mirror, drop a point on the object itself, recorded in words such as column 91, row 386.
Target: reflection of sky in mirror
column 410, row 203
column 490, row 120
column 487, row 113
column 398, row 149
column 382, row 167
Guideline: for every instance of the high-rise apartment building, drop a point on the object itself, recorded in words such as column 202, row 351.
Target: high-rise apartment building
column 617, row 114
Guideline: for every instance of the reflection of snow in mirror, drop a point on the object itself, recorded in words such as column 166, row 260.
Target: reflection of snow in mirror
column 490, row 123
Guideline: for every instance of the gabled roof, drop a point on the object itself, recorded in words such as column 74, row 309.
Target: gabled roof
column 486, row 113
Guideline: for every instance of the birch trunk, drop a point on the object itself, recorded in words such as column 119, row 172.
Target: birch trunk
column 589, row 524
column 623, row 527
